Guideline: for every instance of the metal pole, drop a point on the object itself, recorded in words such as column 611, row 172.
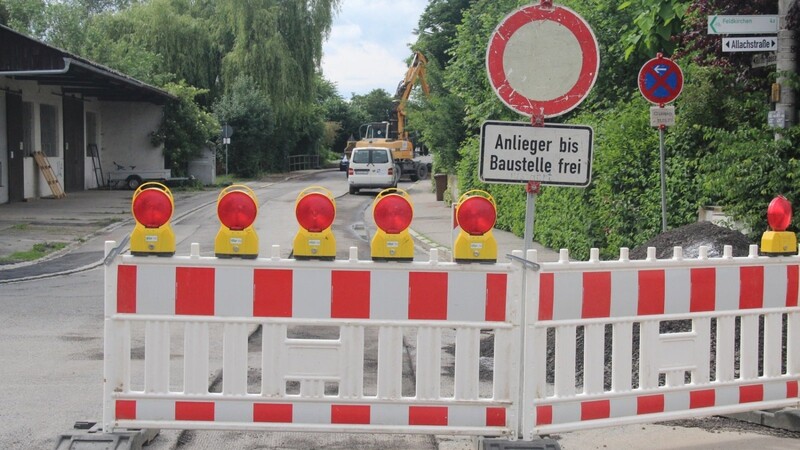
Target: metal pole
column 530, row 214
column 226, row 159
column 663, row 180
column 786, row 65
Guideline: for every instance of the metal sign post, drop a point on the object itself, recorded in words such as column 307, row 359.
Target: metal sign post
column 660, row 82
column 227, row 132
column 663, row 178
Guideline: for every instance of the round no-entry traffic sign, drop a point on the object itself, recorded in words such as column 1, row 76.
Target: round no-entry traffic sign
column 660, row 80
column 542, row 60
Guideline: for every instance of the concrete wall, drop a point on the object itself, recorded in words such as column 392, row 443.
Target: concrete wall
column 125, row 135
column 204, row 168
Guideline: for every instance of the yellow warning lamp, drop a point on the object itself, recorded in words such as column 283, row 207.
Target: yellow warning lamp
column 237, row 209
column 779, row 242
column 476, row 214
column 392, row 211
column 152, row 208
column 315, row 210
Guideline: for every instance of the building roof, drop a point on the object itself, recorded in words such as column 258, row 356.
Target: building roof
column 26, row 58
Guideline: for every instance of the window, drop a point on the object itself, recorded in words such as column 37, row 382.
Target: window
column 49, row 134
column 27, row 128
column 380, row 156
column 91, row 134
column 361, row 156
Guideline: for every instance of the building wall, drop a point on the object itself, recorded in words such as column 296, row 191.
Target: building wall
column 125, row 132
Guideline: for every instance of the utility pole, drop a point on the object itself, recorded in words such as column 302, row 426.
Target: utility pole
column 786, row 64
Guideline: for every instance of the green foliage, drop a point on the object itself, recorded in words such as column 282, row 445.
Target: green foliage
column 342, row 119
column 747, row 168
column 439, row 121
column 376, row 105
column 656, row 23
column 185, row 129
column 247, row 110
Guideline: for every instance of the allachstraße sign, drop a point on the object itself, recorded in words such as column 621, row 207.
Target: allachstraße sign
column 518, row 152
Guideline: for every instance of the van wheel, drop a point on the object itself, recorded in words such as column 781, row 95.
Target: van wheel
column 353, row 190
column 133, row 182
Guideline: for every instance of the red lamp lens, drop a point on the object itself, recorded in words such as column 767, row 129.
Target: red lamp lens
column 392, row 214
column 476, row 215
column 237, row 210
column 152, row 208
column 315, row 212
column 779, row 213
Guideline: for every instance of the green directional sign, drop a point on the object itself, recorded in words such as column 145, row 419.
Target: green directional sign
column 742, row 24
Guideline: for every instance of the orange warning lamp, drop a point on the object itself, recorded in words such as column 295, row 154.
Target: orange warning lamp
column 152, row 207
column 778, row 241
column 476, row 213
column 315, row 210
column 392, row 211
column 237, row 209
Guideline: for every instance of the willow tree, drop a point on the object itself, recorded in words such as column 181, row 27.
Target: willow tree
column 277, row 43
column 177, row 31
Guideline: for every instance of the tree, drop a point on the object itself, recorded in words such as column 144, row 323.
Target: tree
column 186, row 128
column 247, row 109
column 377, row 105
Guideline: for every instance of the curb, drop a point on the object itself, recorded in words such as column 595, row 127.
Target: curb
column 783, row 419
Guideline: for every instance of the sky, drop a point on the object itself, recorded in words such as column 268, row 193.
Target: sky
column 369, row 43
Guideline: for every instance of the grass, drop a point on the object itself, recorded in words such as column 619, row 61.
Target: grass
column 20, row 227
column 38, row 251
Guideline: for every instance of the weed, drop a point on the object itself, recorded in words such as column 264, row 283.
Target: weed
column 38, row 251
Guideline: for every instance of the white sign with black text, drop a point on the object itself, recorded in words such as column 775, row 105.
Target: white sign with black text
column 750, row 44
column 662, row 116
column 517, row 152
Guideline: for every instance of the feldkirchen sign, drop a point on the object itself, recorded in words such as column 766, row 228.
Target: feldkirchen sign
column 742, row 24
column 555, row 155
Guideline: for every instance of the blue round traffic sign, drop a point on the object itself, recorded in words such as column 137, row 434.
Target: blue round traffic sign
column 660, row 80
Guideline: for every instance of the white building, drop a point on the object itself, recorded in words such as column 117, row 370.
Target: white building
column 86, row 118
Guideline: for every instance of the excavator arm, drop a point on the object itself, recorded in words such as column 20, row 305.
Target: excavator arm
column 415, row 73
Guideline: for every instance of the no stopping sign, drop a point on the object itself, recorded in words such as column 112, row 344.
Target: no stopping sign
column 542, row 60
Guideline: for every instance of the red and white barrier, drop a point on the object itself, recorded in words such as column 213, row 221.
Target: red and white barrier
column 371, row 307
column 729, row 307
column 687, row 337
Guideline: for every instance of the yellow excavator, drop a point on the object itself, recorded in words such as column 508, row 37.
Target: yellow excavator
column 393, row 134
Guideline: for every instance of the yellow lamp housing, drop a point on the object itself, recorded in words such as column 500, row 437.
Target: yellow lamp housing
column 237, row 208
column 152, row 207
column 778, row 241
column 315, row 209
column 392, row 211
column 476, row 214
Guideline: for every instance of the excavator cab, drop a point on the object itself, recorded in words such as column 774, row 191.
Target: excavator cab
column 374, row 130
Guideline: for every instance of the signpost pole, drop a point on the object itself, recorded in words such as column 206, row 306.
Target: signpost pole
column 663, row 179
column 226, row 150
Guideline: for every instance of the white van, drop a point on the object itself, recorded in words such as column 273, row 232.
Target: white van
column 372, row 167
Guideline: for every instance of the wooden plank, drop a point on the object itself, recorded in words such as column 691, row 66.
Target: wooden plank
column 47, row 171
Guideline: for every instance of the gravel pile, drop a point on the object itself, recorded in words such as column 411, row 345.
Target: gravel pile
column 691, row 237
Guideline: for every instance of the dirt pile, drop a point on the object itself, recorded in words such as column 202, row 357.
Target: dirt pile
column 691, row 237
